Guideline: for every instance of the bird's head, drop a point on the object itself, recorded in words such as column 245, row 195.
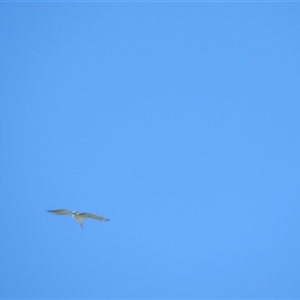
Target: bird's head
column 75, row 212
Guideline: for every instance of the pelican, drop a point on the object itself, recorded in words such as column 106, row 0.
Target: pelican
column 77, row 216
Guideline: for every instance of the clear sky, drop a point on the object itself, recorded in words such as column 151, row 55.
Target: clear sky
column 178, row 121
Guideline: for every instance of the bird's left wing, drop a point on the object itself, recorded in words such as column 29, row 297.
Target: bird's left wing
column 60, row 212
column 88, row 215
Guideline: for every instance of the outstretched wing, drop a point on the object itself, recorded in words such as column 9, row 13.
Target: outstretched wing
column 88, row 215
column 60, row 212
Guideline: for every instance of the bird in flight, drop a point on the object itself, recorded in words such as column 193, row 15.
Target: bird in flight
column 77, row 216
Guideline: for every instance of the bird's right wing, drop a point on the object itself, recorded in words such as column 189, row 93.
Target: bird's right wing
column 92, row 216
column 60, row 212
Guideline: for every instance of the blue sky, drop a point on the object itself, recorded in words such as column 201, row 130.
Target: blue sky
column 179, row 121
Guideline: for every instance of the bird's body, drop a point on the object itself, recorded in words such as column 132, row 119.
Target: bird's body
column 77, row 216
